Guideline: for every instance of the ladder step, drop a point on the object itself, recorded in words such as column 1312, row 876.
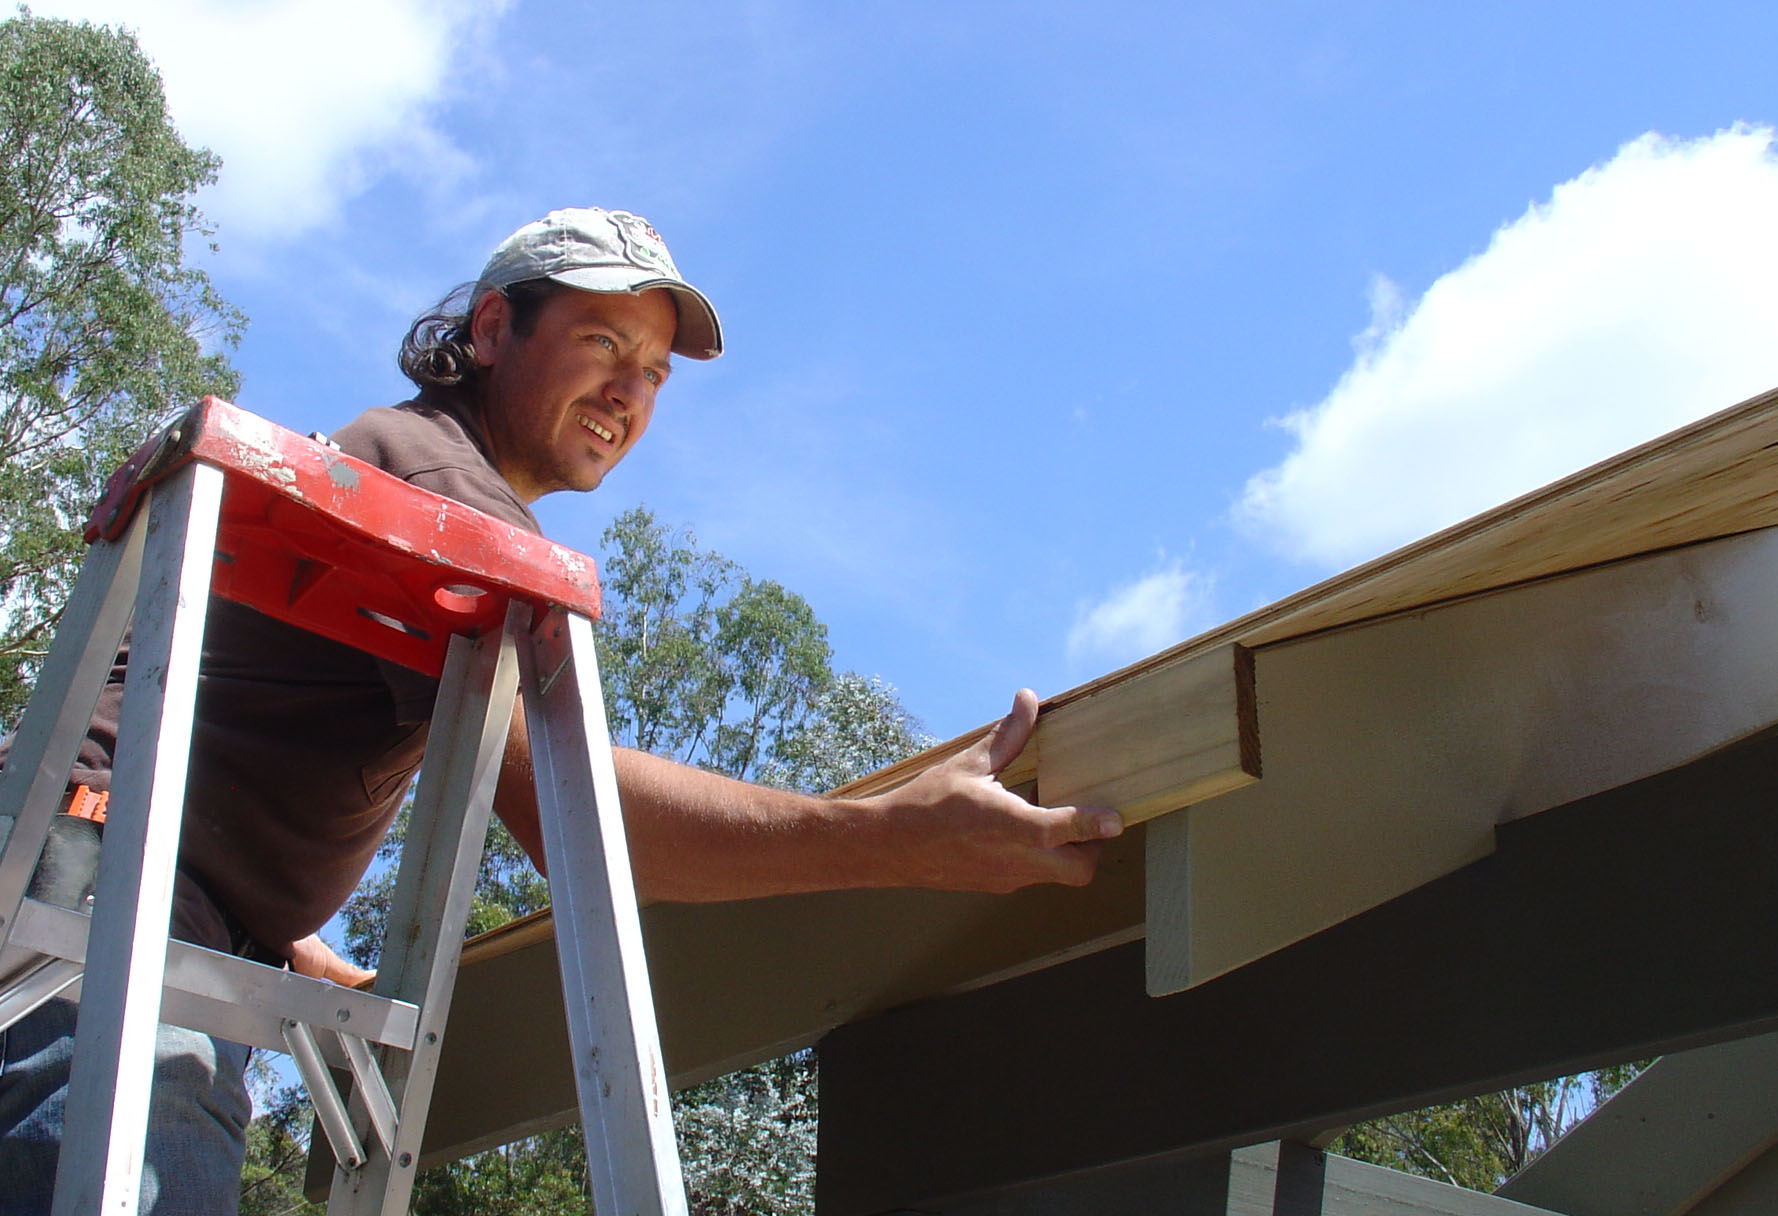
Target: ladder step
column 233, row 998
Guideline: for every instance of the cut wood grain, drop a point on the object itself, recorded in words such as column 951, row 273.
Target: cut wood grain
column 1164, row 739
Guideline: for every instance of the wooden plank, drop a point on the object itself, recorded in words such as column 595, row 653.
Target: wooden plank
column 1289, row 1179
column 1394, row 748
column 1166, row 738
column 1628, row 924
column 1678, row 1133
column 1706, row 480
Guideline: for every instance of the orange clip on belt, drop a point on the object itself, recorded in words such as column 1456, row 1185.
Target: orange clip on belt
column 88, row 803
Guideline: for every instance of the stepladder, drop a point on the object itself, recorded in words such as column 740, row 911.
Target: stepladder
column 223, row 503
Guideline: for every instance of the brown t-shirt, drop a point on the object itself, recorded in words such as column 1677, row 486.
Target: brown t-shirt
column 302, row 748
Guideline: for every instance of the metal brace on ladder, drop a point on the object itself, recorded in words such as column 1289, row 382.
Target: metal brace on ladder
column 495, row 613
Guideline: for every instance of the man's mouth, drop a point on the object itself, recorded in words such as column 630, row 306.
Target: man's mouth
column 601, row 431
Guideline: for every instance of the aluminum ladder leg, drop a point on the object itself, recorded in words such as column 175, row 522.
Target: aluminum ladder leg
column 621, row 1080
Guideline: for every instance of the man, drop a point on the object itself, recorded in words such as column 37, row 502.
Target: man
column 541, row 377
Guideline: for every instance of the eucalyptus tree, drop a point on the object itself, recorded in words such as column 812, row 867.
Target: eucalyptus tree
column 105, row 330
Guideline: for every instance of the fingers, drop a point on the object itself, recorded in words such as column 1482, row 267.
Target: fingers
column 1065, row 846
column 1075, row 864
column 1009, row 736
column 1094, row 822
column 1065, row 825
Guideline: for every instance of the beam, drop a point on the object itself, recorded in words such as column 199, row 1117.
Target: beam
column 1752, row 1192
column 738, row 983
column 1677, row 1133
column 1393, row 748
column 1275, row 1179
column 1625, row 924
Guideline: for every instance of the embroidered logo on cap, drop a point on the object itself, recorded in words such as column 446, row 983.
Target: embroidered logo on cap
column 642, row 243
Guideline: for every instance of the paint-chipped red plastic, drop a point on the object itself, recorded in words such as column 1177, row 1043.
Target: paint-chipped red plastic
column 325, row 542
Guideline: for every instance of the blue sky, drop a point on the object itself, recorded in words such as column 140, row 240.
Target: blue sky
column 1057, row 333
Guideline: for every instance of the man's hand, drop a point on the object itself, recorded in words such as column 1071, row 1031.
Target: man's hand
column 955, row 827
column 314, row 957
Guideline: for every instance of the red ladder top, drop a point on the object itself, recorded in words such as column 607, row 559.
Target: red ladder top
column 325, row 542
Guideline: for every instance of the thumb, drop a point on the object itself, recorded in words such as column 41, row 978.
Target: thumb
column 1009, row 736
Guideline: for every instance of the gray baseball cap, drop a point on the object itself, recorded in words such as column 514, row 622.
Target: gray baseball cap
column 598, row 250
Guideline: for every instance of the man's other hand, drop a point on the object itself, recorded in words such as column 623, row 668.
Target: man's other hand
column 314, row 957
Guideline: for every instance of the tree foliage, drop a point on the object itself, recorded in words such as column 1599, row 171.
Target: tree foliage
column 708, row 665
column 104, row 329
column 748, row 1140
column 277, row 1147
column 1480, row 1142
column 701, row 661
column 858, row 726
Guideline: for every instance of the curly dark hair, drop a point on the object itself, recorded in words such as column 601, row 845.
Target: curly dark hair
column 438, row 353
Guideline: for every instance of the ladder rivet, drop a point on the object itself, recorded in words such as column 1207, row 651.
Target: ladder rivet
column 405, row 1160
column 344, row 1015
column 431, row 1037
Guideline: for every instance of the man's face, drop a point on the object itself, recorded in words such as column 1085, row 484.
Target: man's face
column 565, row 402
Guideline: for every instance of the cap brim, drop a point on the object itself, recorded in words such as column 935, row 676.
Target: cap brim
column 699, row 335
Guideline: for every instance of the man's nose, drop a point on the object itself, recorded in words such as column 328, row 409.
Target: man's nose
column 629, row 389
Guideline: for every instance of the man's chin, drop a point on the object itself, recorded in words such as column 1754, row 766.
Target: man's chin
column 588, row 479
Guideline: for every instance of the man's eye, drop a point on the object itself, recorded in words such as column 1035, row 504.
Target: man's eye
column 653, row 376
column 605, row 341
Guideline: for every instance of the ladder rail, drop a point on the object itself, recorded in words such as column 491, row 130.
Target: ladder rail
column 61, row 705
column 434, row 889
column 619, row 1073
column 100, row 1167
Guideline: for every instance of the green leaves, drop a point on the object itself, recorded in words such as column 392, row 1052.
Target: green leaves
column 105, row 332
column 856, row 727
column 702, row 662
column 706, row 664
column 748, row 1140
column 1480, row 1142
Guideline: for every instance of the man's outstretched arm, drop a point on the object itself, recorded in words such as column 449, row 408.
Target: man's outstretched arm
column 696, row 836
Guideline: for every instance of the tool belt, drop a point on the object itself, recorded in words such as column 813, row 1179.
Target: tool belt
column 68, row 870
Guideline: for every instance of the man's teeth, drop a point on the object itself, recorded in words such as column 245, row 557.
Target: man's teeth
column 598, row 430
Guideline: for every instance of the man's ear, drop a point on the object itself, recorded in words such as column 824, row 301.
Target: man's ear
column 487, row 326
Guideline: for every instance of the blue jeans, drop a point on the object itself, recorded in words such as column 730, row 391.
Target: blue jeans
column 197, row 1117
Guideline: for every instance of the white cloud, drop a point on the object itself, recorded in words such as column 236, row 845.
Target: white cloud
column 1138, row 618
column 308, row 102
column 1638, row 298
